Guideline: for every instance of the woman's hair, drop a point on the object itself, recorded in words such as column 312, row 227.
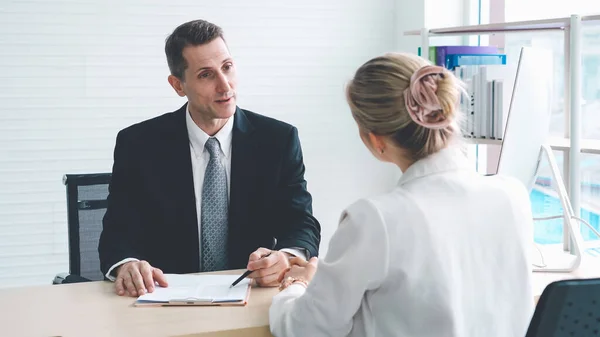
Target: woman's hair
column 407, row 98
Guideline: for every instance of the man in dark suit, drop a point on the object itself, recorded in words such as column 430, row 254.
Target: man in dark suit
column 206, row 187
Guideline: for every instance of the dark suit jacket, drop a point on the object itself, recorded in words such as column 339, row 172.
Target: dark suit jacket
column 151, row 211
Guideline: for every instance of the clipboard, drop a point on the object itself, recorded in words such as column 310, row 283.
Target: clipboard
column 198, row 290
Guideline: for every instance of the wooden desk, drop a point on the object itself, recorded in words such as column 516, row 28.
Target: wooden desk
column 93, row 309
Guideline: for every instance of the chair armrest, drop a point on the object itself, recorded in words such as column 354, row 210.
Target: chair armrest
column 65, row 278
column 60, row 278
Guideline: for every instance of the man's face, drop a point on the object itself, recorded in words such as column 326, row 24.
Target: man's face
column 210, row 80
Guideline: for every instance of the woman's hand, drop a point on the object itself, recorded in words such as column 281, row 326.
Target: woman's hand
column 300, row 270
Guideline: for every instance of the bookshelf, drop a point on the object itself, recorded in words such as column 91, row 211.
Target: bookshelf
column 483, row 141
column 571, row 26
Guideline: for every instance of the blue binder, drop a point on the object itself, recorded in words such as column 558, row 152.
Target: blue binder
column 455, row 60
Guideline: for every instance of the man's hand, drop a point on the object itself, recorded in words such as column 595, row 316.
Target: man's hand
column 268, row 270
column 135, row 278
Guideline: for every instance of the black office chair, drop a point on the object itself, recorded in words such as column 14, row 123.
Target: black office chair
column 568, row 308
column 86, row 205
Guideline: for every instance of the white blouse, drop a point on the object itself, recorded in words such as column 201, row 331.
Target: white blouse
column 445, row 253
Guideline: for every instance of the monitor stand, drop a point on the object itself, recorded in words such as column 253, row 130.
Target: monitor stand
column 565, row 257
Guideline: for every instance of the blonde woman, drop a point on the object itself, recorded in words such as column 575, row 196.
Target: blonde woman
column 445, row 253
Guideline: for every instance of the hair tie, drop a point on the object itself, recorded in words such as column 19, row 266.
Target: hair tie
column 421, row 99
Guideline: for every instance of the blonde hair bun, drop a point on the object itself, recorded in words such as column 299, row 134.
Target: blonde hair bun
column 405, row 97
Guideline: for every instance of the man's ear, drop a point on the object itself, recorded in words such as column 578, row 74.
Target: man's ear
column 177, row 85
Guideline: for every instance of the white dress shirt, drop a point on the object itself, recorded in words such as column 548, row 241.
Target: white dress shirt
column 200, row 159
column 445, row 253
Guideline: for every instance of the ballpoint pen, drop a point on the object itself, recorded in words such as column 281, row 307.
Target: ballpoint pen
column 248, row 272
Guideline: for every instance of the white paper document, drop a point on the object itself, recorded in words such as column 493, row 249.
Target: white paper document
column 197, row 290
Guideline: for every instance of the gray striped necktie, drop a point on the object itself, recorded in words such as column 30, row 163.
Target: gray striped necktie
column 215, row 212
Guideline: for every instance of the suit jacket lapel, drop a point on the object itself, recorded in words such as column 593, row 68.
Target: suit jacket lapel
column 176, row 152
column 243, row 171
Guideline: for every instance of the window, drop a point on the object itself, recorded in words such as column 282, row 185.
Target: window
column 590, row 194
column 545, row 203
column 543, row 197
column 591, row 82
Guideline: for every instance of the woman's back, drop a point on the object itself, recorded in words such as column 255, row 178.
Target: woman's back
column 458, row 253
column 446, row 253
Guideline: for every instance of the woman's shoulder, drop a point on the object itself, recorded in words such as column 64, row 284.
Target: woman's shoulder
column 359, row 208
column 376, row 207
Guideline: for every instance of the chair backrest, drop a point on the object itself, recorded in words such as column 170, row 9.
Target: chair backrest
column 86, row 205
column 567, row 308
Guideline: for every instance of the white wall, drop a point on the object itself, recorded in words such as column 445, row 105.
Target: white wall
column 75, row 72
column 410, row 15
column 445, row 13
column 448, row 13
column 414, row 15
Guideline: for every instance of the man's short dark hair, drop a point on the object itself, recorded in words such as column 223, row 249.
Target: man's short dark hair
column 192, row 33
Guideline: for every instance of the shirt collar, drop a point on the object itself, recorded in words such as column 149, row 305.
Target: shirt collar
column 198, row 137
column 450, row 158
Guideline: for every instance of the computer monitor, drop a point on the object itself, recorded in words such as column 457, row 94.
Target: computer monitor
column 525, row 142
column 528, row 122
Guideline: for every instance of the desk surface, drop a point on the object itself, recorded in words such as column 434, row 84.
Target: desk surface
column 589, row 268
column 93, row 309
